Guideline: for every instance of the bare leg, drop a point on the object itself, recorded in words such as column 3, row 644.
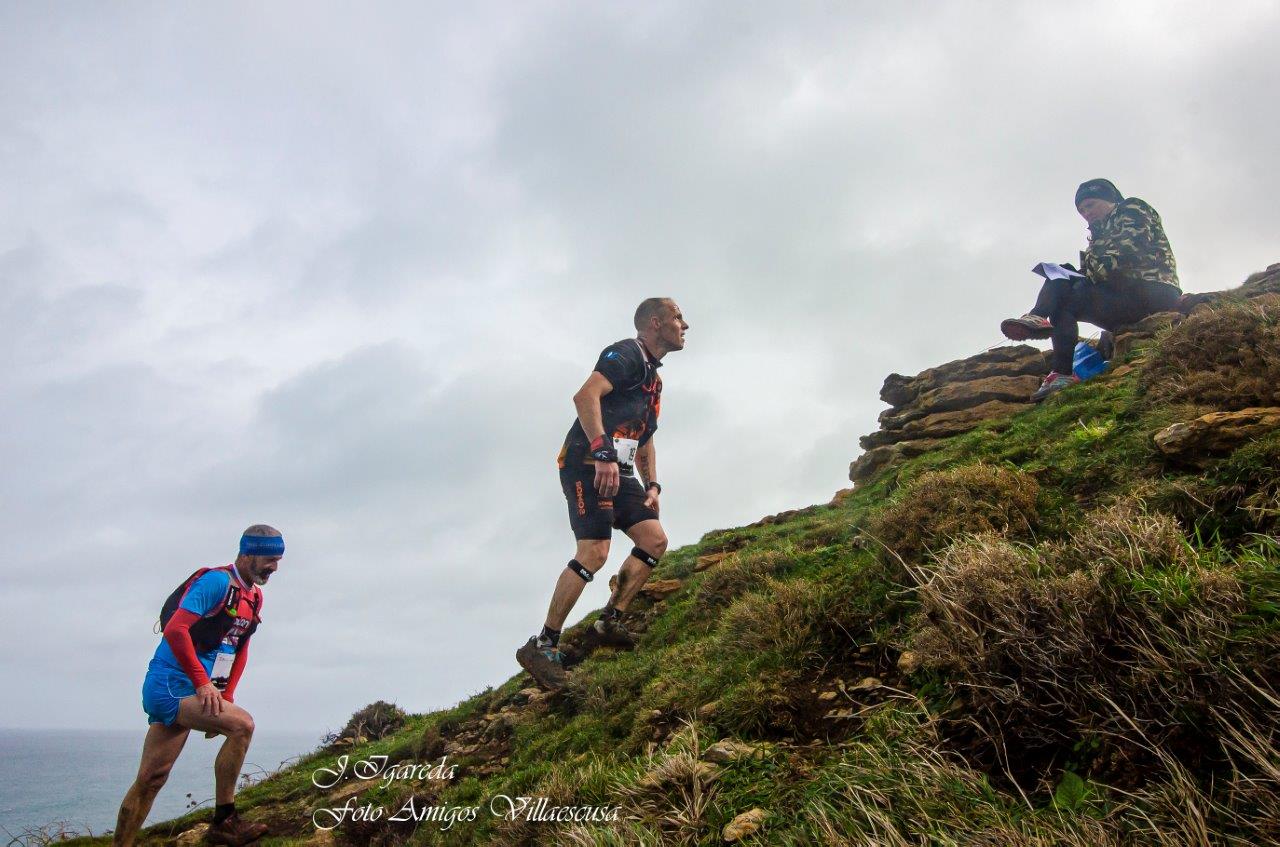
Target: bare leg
column 649, row 537
column 159, row 751
column 237, row 725
column 592, row 555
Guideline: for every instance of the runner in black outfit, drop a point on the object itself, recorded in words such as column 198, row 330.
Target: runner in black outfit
column 618, row 409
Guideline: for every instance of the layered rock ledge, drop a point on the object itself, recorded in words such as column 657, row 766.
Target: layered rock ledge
column 948, row 400
column 957, row 397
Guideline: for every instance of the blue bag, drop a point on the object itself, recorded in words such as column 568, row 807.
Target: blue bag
column 1087, row 361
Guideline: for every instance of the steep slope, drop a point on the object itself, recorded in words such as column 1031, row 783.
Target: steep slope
column 1053, row 625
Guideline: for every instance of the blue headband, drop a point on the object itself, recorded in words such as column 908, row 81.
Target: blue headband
column 261, row 545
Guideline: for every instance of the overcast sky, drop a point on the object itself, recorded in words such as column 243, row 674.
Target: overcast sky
column 339, row 268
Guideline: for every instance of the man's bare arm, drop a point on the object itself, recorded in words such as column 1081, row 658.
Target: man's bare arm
column 587, row 402
column 647, row 462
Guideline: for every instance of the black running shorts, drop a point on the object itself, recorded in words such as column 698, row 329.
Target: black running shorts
column 594, row 517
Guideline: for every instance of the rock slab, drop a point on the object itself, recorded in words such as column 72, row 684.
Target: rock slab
column 949, row 400
column 193, row 837
column 743, row 825
column 1196, row 441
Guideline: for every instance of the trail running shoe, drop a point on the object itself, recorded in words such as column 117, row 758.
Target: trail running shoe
column 613, row 633
column 1053, row 382
column 544, row 664
column 1027, row 326
column 235, row 832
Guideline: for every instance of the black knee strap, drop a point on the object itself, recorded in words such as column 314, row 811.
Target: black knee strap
column 578, row 568
column 651, row 561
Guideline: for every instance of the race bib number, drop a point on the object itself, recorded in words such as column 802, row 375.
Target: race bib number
column 222, row 669
column 626, row 449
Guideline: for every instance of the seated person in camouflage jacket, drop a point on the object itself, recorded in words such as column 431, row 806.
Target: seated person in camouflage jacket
column 1129, row 273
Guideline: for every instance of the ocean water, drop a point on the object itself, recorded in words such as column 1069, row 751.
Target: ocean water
column 79, row 777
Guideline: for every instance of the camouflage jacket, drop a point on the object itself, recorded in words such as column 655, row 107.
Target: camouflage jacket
column 1129, row 244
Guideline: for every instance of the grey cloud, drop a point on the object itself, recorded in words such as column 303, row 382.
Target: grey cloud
column 341, row 269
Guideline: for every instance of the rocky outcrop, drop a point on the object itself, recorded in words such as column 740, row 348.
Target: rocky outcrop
column 1263, row 282
column 879, row 458
column 954, row 398
column 901, row 391
column 948, row 400
column 946, row 424
column 1196, row 441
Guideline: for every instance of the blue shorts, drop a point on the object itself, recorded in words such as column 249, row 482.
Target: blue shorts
column 161, row 692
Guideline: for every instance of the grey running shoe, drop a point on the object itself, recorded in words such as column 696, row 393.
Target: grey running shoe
column 235, row 832
column 1052, row 383
column 613, row 634
column 1025, row 327
column 544, row 664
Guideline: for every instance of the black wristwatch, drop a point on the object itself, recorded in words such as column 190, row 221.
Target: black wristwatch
column 654, row 484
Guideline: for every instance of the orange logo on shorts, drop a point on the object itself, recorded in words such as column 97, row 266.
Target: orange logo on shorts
column 582, row 503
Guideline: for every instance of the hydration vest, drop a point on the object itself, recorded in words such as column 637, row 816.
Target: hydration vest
column 208, row 632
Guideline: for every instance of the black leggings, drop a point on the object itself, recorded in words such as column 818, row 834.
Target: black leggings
column 1067, row 302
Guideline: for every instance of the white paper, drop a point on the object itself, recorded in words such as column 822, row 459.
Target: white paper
column 1048, row 270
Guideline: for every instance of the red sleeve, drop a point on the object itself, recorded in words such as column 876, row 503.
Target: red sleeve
column 177, row 634
column 237, row 668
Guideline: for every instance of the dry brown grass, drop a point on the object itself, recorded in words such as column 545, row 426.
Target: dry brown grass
column 1249, row 480
column 1123, row 535
column 942, row 505
column 1226, row 357
column 1119, row 635
column 667, row 796
column 787, row 618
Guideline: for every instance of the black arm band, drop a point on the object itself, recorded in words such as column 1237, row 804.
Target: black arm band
column 654, row 484
column 602, row 450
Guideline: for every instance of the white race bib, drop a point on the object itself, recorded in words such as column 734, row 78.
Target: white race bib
column 626, row 449
column 222, row 669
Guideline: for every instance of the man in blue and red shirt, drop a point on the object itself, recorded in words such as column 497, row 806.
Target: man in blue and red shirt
column 191, row 684
column 611, row 439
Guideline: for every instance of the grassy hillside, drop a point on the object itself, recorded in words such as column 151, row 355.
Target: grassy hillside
column 1046, row 631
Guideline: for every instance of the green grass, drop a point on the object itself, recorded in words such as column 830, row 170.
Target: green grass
column 812, row 598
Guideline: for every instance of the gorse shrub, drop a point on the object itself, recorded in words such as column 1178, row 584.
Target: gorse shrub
column 374, row 721
column 942, row 505
column 1227, row 357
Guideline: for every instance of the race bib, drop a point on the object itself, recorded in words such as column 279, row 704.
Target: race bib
column 222, row 669
column 626, row 449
